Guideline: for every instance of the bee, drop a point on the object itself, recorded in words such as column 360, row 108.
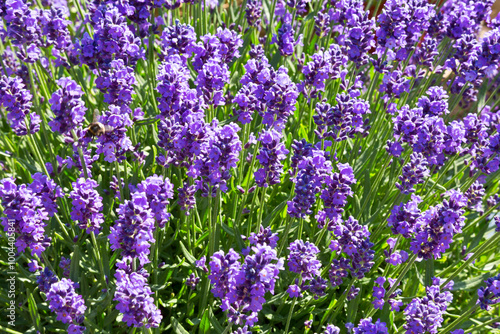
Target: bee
column 96, row 128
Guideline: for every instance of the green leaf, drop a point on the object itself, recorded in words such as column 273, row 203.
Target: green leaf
column 268, row 220
column 147, row 121
column 228, row 230
column 214, row 322
column 177, row 326
column 191, row 259
column 205, row 322
column 470, row 284
column 33, row 309
column 74, row 270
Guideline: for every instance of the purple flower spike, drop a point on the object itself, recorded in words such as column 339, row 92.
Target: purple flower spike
column 353, row 240
column 29, row 206
column 212, row 78
column 302, row 259
column 218, row 155
column 286, row 40
column 401, row 25
column 65, row 302
column 134, row 301
column 117, row 83
column 435, row 103
column 489, row 295
column 343, row 120
column 403, row 218
column 242, row 286
column 253, row 12
column 366, row 326
column 331, row 329
column 437, row 226
column 87, row 205
column 192, row 281
column 46, row 279
column 133, row 230
column 356, row 35
column 186, row 197
column 312, row 171
column 177, row 39
column 112, row 40
column 17, row 101
column 425, row 315
column 475, row 196
column 68, row 107
column 159, row 191
column 264, row 237
column 272, row 152
column 414, row 173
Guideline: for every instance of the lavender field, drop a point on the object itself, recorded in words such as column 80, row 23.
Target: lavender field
column 249, row 166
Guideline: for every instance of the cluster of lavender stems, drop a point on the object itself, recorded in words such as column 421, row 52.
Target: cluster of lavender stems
column 258, row 166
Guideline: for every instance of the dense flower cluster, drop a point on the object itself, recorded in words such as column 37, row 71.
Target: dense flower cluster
column 437, row 226
column 353, row 240
column 475, row 196
column 265, row 237
column 68, row 107
column 324, row 65
column 17, row 101
column 219, row 154
column 271, row 154
column 134, row 300
column 181, row 128
column 65, row 302
column 343, row 120
column 404, row 217
column 286, row 40
column 414, row 172
column 313, row 168
column 115, row 143
column 178, row 38
column 112, row 39
column 366, row 326
column 186, row 197
column 242, row 286
column 388, row 108
column 401, row 24
column 45, row 279
column 490, row 294
column 29, row 207
column 270, row 93
column 426, row 314
column 133, row 230
column 355, row 29
column 253, row 12
column 159, row 191
column 116, row 82
column 334, row 195
column 87, row 205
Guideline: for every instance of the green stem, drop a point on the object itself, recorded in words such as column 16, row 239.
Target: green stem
column 290, row 313
column 460, row 319
column 484, row 247
column 98, row 257
column 484, row 324
column 338, row 304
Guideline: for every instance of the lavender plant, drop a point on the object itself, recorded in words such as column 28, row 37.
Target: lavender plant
column 260, row 166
